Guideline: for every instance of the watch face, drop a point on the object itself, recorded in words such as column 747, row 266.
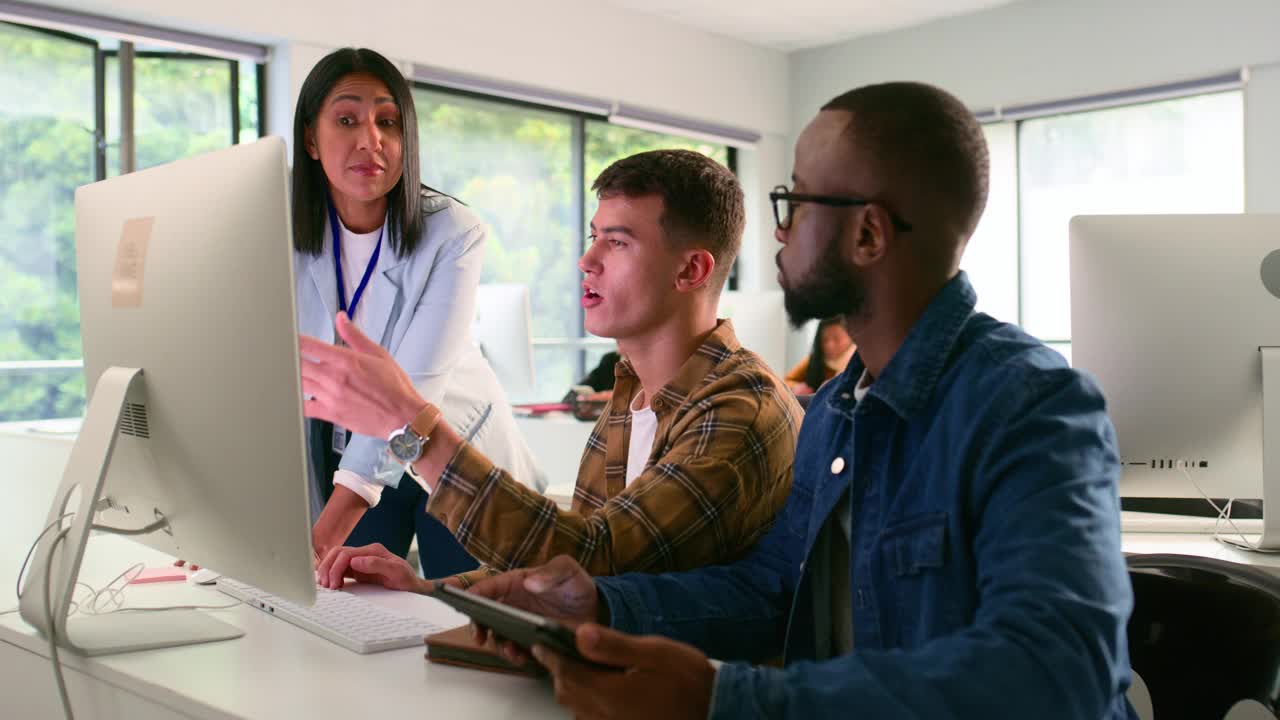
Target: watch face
column 405, row 446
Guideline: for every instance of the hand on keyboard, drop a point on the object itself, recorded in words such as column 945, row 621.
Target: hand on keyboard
column 372, row 564
column 348, row 620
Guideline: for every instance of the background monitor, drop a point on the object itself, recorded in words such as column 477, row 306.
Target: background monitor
column 186, row 275
column 1173, row 315
column 503, row 327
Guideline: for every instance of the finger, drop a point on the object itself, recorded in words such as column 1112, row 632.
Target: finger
column 380, row 550
column 343, row 558
column 314, row 350
column 318, row 409
column 514, row 654
column 326, row 565
column 352, row 336
column 559, row 570
column 340, row 566
column 386, row 571
column 549, row 659
column 577, row 686
column 610, row 647
column 500, row 587
column 315, row 387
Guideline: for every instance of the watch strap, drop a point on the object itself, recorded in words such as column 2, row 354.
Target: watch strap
column 426, row 421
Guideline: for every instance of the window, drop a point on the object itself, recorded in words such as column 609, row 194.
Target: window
column 991, row 258
column 1184, row 155
column 527, row 171
column 182, row 107
column 59, row 94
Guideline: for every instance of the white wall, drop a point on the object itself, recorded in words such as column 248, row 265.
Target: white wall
column 577, row 46
column 1053, row 49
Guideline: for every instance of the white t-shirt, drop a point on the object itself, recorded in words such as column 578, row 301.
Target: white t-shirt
column 644, row 426
column 356, row 252
column 357, row 249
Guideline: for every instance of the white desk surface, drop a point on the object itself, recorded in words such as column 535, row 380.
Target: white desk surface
column 275, row 671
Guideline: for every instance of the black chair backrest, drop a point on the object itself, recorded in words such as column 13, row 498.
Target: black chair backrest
column 1205, row 633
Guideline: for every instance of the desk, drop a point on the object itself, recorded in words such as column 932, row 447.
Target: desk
column 278, row 670
column 275, row 671
column 1196, row 544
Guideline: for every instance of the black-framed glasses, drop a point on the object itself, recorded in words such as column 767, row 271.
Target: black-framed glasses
column 784, row 202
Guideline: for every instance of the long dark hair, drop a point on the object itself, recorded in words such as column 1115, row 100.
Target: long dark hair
column 310, row 187
column 816, row 373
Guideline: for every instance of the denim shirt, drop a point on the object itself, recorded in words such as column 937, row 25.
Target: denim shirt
column 986, row 575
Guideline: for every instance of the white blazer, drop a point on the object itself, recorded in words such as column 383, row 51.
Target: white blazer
column 424, row 304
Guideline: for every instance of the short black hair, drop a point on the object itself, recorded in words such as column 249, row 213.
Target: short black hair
column 702, row 204
column 925, row 139
column 310, row 187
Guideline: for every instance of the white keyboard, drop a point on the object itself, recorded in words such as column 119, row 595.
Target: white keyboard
column 348, row 620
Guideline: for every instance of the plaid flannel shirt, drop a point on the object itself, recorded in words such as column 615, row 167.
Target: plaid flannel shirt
column 718, row 473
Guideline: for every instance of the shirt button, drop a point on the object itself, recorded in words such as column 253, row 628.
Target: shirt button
column 837, row 466
column 844, row 396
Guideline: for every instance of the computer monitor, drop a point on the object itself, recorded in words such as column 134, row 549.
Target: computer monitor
column 503, row 327
column 760, row 322
column 194, row 422
column 1178, row 316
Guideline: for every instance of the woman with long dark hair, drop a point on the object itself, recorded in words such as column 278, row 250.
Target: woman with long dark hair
column 403, row 261
column 832, row 348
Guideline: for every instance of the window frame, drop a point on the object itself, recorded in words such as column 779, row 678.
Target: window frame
column 233, row 67
column 584, row 343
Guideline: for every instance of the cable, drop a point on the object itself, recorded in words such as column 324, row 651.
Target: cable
column 32, row 549
column 92, row 604
column 53, row 630
column 145, row 530
column 1224, row 513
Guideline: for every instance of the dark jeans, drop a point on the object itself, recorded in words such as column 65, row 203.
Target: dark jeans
column 400, row 514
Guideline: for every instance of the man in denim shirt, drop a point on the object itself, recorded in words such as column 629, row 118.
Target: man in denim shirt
column 951, row 544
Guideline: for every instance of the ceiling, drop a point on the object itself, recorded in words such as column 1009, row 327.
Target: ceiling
column 799, row 24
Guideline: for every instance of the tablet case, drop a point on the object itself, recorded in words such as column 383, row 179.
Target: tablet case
column 455, row 647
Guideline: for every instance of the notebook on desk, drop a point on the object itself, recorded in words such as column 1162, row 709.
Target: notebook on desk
column 536, row 409
column 456, row 647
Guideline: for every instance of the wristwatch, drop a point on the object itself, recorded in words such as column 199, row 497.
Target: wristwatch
column 407, row 443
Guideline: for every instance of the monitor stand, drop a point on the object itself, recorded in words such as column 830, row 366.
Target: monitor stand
column 55, row 565
column 1269, row 541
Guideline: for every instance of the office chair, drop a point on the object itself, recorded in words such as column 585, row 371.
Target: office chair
column 1205, row 636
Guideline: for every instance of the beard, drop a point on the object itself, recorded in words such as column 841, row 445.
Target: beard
column 830, row 287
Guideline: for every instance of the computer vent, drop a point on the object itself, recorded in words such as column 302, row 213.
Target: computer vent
column 133, row 421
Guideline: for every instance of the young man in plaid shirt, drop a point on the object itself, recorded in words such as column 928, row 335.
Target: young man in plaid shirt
column 692, row 459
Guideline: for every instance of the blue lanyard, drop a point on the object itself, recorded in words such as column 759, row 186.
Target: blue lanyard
column 337, row 265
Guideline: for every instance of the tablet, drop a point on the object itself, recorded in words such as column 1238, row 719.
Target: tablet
column 509, row 623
